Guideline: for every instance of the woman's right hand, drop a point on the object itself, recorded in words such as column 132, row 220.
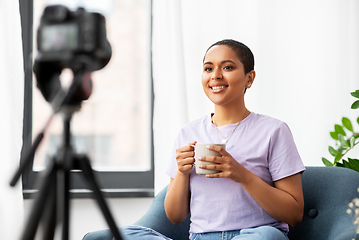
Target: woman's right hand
column 185, row 158
column 177, row 201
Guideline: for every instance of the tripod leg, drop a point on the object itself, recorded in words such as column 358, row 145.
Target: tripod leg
column 84, row 165
column 36, row 212
column 49, row 215
column 63, row 196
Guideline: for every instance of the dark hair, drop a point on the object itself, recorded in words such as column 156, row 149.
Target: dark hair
column 243, row 52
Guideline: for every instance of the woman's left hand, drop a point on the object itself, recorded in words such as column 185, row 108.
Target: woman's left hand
column 228, row 166
column 283, row 201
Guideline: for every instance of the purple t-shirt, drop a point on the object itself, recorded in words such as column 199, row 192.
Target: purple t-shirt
column 263, row 145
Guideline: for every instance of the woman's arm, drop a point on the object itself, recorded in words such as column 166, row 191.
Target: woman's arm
column 177, row 201
column 284, row 201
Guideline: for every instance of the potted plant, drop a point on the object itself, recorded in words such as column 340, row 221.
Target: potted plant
column 345, row 139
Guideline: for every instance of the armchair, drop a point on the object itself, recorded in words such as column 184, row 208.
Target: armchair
column 327, row 193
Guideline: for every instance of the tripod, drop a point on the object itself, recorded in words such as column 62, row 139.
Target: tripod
column 52, row 205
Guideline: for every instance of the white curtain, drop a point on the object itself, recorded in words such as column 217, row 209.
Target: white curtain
column 11, row 105
column 307, row 58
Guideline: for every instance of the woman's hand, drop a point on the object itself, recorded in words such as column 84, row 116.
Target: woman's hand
column 177, row 201
column 228, row 166
column 185, row 158
column 284, row 201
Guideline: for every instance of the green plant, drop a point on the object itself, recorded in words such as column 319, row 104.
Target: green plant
column 344, row 142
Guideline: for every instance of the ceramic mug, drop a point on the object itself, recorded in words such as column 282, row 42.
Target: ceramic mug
column 202, row 151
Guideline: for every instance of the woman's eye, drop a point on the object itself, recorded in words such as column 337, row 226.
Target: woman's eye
column 208, row 69
column 228, row 67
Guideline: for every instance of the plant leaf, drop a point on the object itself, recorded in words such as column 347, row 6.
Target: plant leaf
column 355, row 104
column 332, row 151
column 339, row 129
column 344, row 164
column 354, row 164
column 343, row 142
column 327, row 162
column 351, row 164
column 352, row 142
column 358, row 120
column 334, row 135
column 355, row 94
column 338, row 157
column 347, row 124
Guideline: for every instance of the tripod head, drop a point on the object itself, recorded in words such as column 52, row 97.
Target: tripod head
column 48, row 82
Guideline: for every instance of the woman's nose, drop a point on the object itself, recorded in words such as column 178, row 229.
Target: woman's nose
column 216, row 74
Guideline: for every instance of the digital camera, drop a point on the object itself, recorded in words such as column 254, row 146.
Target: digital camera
column 73, row 39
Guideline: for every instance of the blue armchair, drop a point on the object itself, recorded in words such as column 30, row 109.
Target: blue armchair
column 327, row 193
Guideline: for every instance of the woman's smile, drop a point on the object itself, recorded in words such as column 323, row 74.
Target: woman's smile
column 217, row 89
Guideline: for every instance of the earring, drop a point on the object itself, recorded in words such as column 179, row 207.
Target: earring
column 249, row 85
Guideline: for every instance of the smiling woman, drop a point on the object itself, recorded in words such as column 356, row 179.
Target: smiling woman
column 258, row 171
column 225, row 77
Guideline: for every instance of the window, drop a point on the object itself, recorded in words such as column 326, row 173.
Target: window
column 114, row 126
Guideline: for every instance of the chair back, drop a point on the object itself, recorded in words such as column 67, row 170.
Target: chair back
column 327, row 193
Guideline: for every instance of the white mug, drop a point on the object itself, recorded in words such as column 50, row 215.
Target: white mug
column 202, row 151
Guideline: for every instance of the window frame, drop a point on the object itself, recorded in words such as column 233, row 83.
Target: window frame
column 114, row 184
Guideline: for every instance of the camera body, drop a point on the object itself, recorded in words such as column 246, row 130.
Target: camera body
column 73, row 39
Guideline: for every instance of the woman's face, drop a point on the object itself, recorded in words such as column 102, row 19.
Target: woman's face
column 223, row 78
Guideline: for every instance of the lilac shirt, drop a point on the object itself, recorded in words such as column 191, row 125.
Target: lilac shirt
column 263, row 145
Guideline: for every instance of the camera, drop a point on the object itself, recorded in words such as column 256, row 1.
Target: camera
column 70, row 39
column 73, row 38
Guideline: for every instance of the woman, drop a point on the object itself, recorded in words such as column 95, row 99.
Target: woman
column 258, row 190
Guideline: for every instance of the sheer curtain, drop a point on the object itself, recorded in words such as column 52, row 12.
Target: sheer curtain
column 11, row 104
column 306, row 55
